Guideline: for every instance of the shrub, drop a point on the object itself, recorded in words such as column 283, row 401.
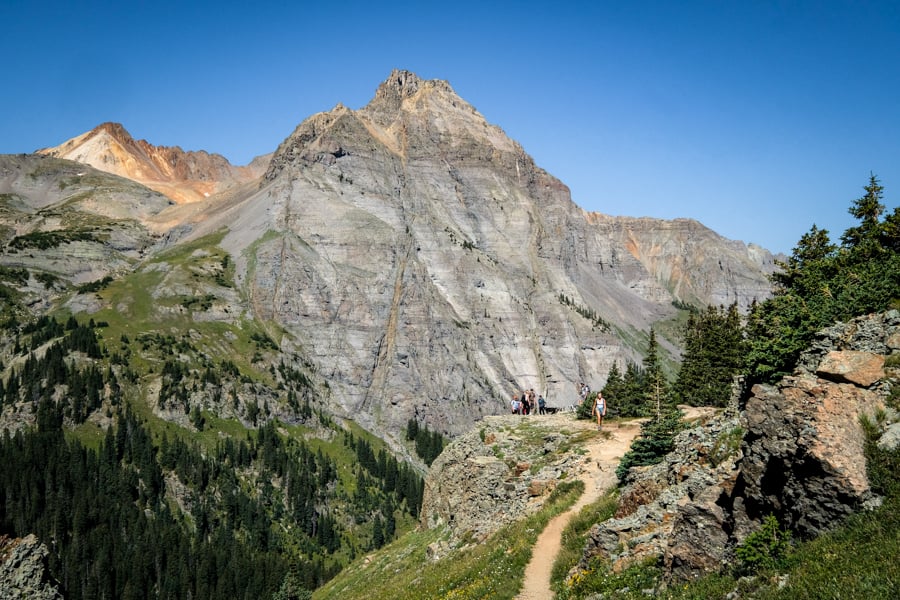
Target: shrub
column 764, row 548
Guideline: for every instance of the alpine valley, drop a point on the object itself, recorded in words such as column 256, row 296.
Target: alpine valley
column 236, row 377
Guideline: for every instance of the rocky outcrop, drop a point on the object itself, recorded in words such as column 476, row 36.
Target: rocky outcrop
column 496, row 474
column 795, row 450
column 690, row 261
column 670, row 509
column 65, row 220
column 23, row 570
column 804, row 458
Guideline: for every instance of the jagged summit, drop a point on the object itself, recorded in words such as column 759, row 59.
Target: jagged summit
column 400, row 84
column 411, row 118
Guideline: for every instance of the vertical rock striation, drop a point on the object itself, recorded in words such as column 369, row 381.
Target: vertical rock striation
column 421, row 257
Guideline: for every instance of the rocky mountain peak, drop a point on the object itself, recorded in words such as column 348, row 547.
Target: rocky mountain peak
column 423, row 255
column 400, row 84
column 116, row 130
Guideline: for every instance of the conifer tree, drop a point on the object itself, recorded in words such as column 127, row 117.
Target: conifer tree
column 822, row 283
column 655, row 389
column 713, row 354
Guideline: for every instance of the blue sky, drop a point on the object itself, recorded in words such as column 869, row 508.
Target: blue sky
column 757, row 118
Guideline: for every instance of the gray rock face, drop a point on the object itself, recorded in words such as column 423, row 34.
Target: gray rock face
column 420, row 257
column 23, row 570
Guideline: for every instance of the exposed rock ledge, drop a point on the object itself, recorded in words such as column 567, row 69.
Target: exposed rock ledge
column 23, row 571
column 801, row 459
column 499, row 472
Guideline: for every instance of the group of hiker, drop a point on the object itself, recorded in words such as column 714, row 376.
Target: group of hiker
column 528, row 403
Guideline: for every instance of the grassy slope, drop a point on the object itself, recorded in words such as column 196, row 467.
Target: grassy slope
column 494, row 569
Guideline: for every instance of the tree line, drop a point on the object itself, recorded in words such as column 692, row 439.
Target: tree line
column 821, row 283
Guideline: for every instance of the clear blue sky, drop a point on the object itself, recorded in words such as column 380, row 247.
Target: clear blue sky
column 757, row 118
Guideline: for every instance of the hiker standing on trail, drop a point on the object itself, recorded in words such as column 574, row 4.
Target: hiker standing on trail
column 599, row 409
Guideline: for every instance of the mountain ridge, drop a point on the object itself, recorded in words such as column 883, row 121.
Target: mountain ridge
column 430, row 268
column 184, row 176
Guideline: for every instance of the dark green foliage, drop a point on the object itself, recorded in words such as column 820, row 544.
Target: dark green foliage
column 882, row 466
column 37, row 379
column 822, row 283
column 428, row 443
column 382, row 486
column 584, row 410
column 655, row 385
column 94, row 286
column 765, row 548
column 682, row 305
column 198, row 302
column 18, row 276
column 43, row 240
column 588, row 313
column 292, row 589
column 263, row 341
column 48, row 279
column 635, row 393
column 657, row 439
column 110, row 530
column 713, row 354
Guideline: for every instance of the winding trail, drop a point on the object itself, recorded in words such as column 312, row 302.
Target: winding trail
column 605, row 450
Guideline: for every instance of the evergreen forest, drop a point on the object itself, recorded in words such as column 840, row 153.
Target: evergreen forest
column 133, row 507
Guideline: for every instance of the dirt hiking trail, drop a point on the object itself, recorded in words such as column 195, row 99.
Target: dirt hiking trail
column 605, row 450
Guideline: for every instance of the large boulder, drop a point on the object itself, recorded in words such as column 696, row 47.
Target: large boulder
column 803, row 454
column 804, row 457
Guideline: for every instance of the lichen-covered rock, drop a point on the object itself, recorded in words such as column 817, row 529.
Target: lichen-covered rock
column 497, row 473
column 23, row 571
column 670, row 509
